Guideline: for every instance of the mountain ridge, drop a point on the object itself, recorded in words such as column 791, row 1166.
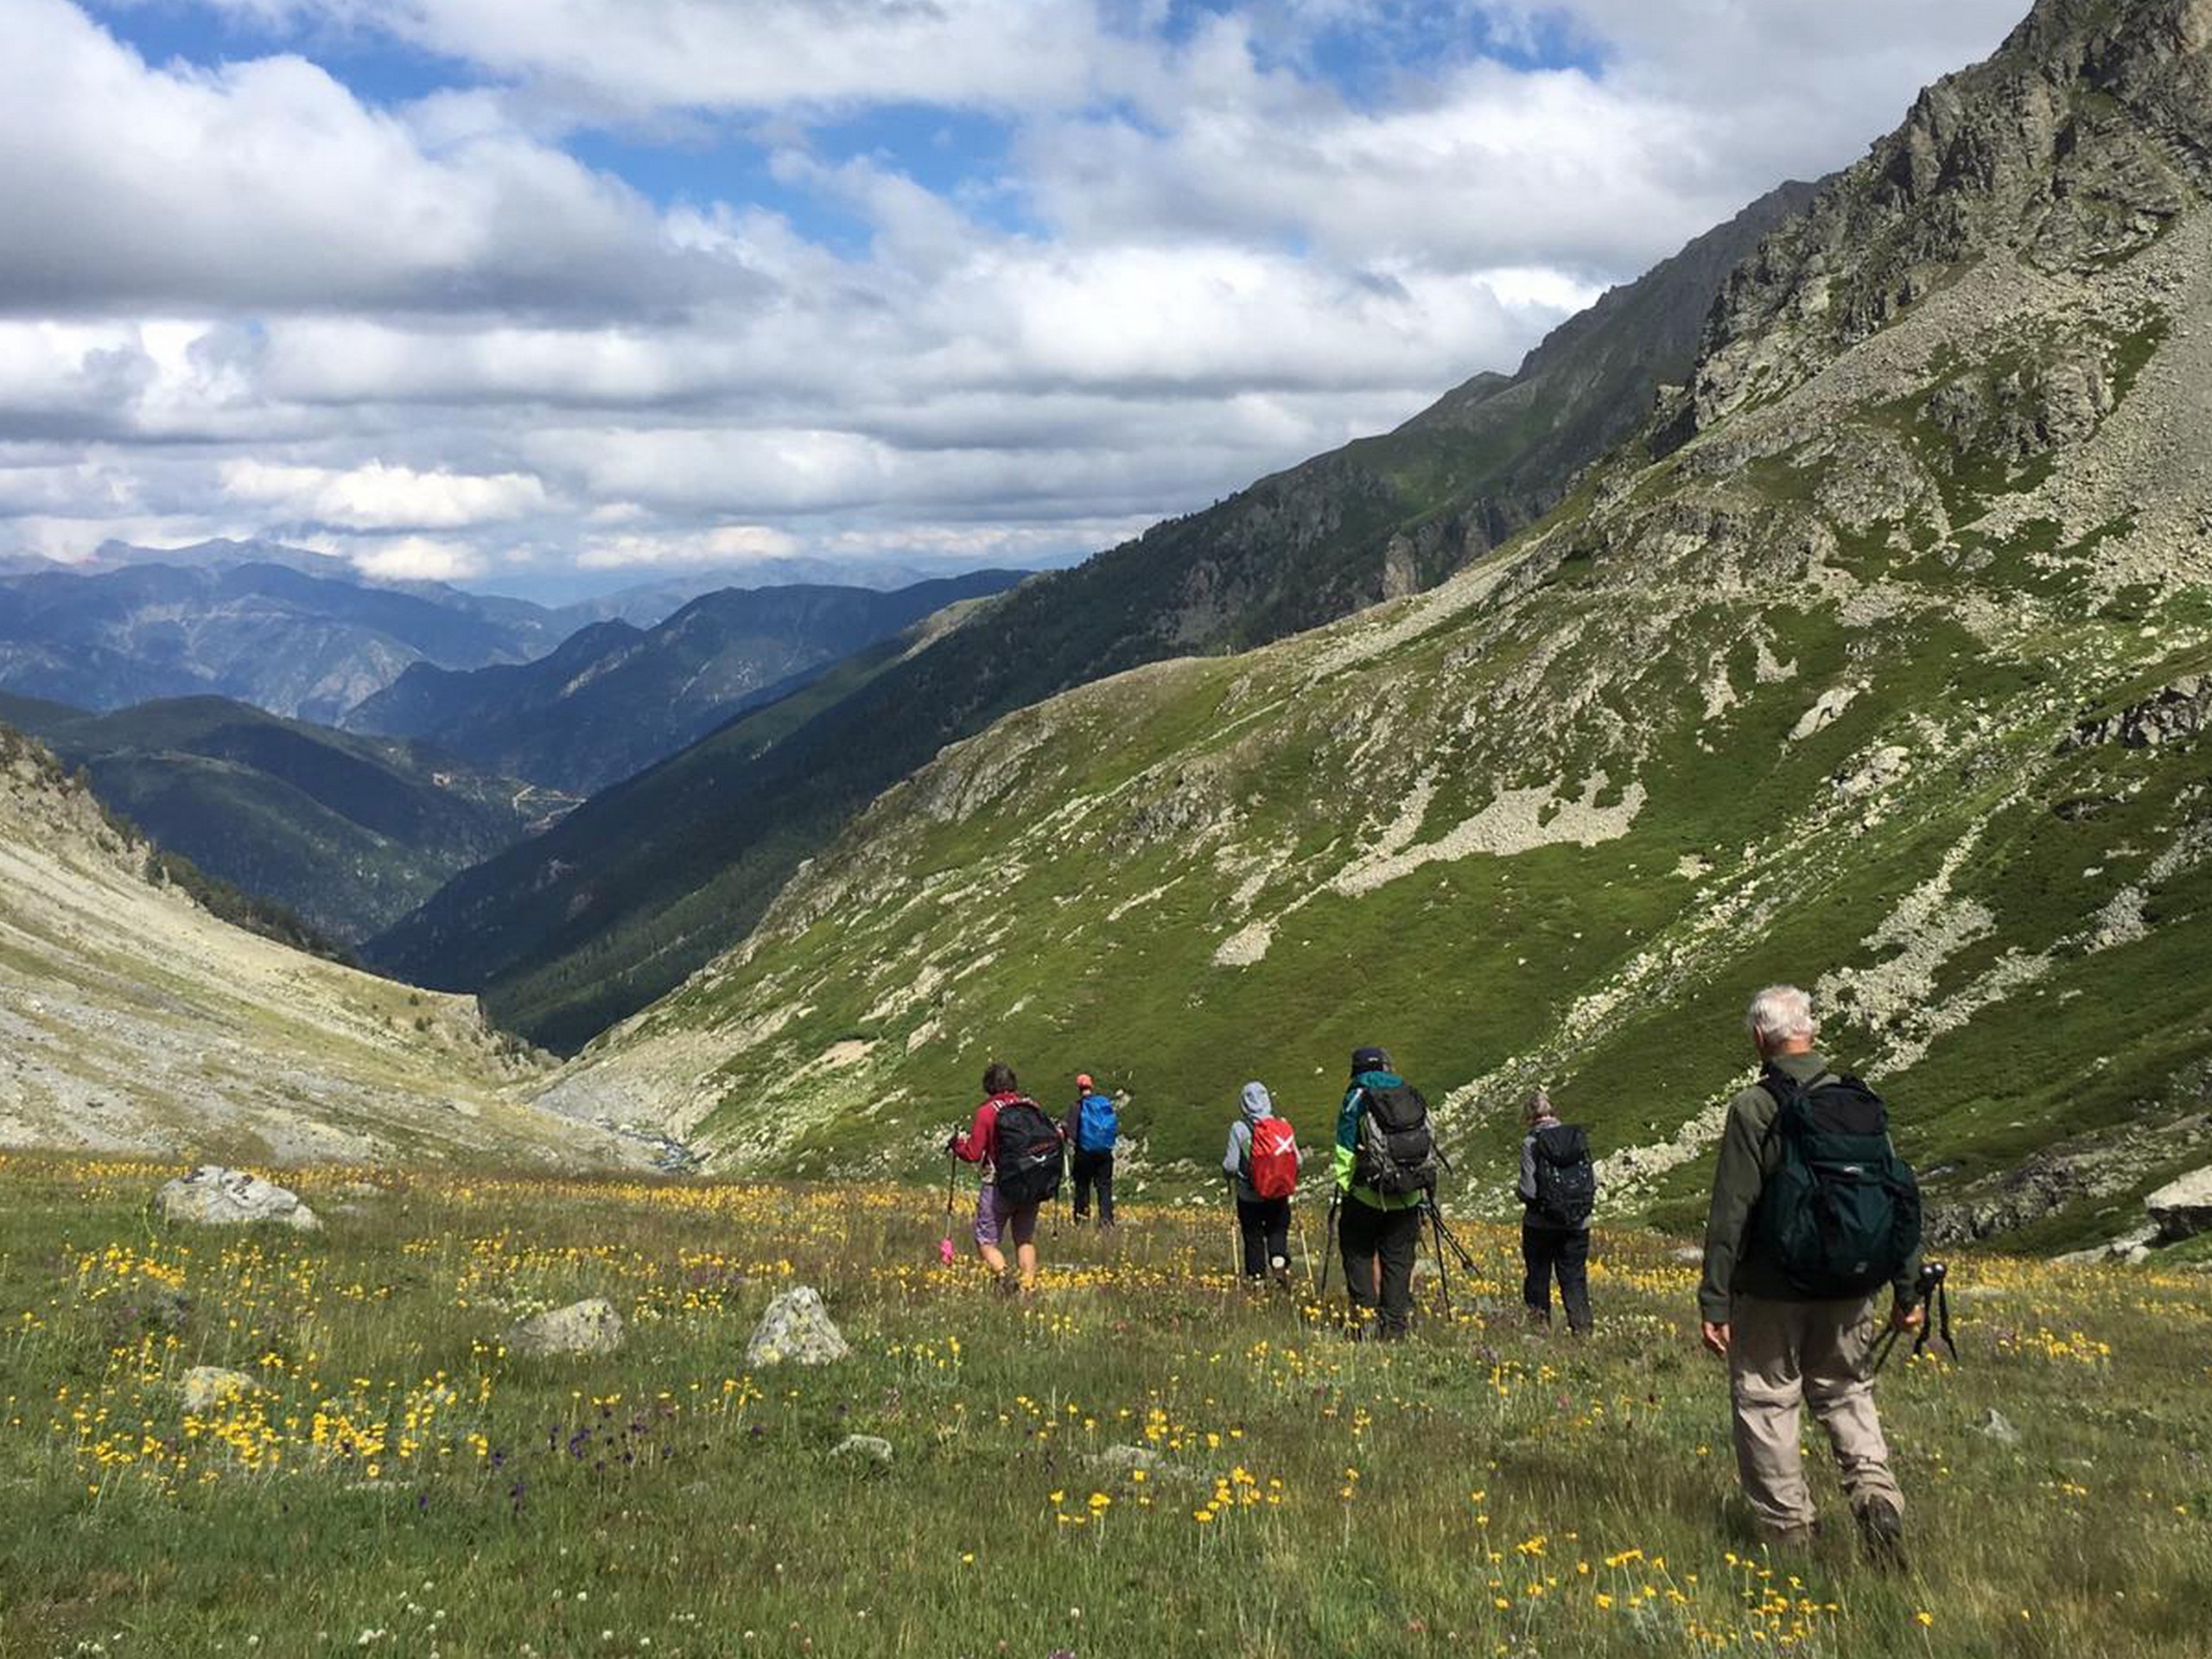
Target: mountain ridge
column 612, row 698
column 347, row 831
column 135, row 1021
column 564, row 939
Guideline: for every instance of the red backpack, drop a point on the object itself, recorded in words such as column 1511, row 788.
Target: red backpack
column 1273, row 1163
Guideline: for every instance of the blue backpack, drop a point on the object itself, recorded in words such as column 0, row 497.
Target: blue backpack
column 1098, row 1126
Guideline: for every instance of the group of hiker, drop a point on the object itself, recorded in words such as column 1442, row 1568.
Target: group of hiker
column 1812, row 1214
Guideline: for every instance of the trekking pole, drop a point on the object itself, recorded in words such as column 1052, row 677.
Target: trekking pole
column 1941, row 1302
column 945, row 1250
column 1329, row 1241
column 1304, row 1250
column 1936, row 1300
column 1443, row 1271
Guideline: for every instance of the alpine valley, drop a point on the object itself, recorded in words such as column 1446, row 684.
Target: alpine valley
column 1876, row 657
column 1834, row 603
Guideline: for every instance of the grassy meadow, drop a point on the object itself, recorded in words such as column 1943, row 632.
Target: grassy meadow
column 399, row 1484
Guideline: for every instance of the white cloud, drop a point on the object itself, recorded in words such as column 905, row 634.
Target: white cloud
column 256, row 298
column 378, row 497
column 724, row 545
column 418, row 558
column 269, row 184
column 634, row 56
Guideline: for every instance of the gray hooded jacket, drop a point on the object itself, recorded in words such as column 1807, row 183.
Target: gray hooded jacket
column 1234, row 1161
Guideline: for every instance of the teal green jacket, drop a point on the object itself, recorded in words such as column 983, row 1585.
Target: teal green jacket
column 1348, row 1145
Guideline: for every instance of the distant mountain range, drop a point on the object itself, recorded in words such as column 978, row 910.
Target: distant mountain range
column 613, row 698
column 272, row 634
column 348, row 831
column 300, row 633
column 570, row 934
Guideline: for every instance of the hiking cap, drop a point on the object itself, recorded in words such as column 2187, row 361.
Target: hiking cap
column 1370, row 1059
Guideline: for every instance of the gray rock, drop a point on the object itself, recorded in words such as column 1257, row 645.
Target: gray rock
column 1688, row 1254
column 591, row 1326
column 2182, row 1209
column 1997, row 1426
column 216, row 1197
column 797, row 1327
column 1120, row 1459
column 205, row 1387
column 2173, row 714
column 863, row 1448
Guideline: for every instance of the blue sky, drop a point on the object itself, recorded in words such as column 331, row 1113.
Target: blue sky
column 505, row 290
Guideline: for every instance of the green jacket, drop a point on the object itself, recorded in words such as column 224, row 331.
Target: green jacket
column 1348, row 1145
column 1748, row 1156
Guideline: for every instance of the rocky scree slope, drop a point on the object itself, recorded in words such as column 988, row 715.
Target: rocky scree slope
column 349, row 832
column 570, row 934
column 131, row 1020
column 1886, row 676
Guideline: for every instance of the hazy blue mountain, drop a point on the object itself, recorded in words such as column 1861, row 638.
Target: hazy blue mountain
column 348, row 831
column 612, row 698
column 284, row 639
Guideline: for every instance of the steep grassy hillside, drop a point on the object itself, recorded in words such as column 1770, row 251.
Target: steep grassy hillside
column 1878, row 665
column 131, row 1020
column 350, row 832
column 614, row 698
column 569, row 936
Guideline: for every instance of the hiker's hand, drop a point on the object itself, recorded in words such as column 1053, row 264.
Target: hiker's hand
column 1716, row 1336
column 1908, row 1319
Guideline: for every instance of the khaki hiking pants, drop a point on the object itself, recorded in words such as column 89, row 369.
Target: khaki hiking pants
column 1781, row 1355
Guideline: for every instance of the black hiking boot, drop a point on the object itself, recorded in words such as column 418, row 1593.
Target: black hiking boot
column 1881, row 1529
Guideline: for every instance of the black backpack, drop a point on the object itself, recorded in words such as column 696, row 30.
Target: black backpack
column 1567, row 1181
column 1025, row 1153
column 1396, row 1154
column 1841, row 1214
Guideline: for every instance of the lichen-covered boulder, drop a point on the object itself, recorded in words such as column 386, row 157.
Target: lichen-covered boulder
column 862, row 1448
column 591, row 1326
column 205, row 1387
column 796, row 1328
column 216, row 1197
column 2182, row 1209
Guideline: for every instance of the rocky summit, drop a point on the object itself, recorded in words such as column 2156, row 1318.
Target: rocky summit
column 1845, row 669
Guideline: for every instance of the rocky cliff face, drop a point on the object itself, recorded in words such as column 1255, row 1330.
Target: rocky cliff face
column 132, row 1020
column 1804, row 697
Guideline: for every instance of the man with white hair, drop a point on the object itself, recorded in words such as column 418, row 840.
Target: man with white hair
column 1793, row 1333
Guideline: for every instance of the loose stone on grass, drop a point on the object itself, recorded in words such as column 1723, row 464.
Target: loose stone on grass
column 205, row 1387
column 591, row 1326
column 863, row 1448
column 217, row 1196
column 2182, row 1209
column 798, row 1328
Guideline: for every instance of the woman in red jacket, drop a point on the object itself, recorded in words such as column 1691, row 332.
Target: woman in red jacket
column 997, row 1217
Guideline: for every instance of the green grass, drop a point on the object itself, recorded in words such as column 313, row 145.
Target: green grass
column 399, row 1483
